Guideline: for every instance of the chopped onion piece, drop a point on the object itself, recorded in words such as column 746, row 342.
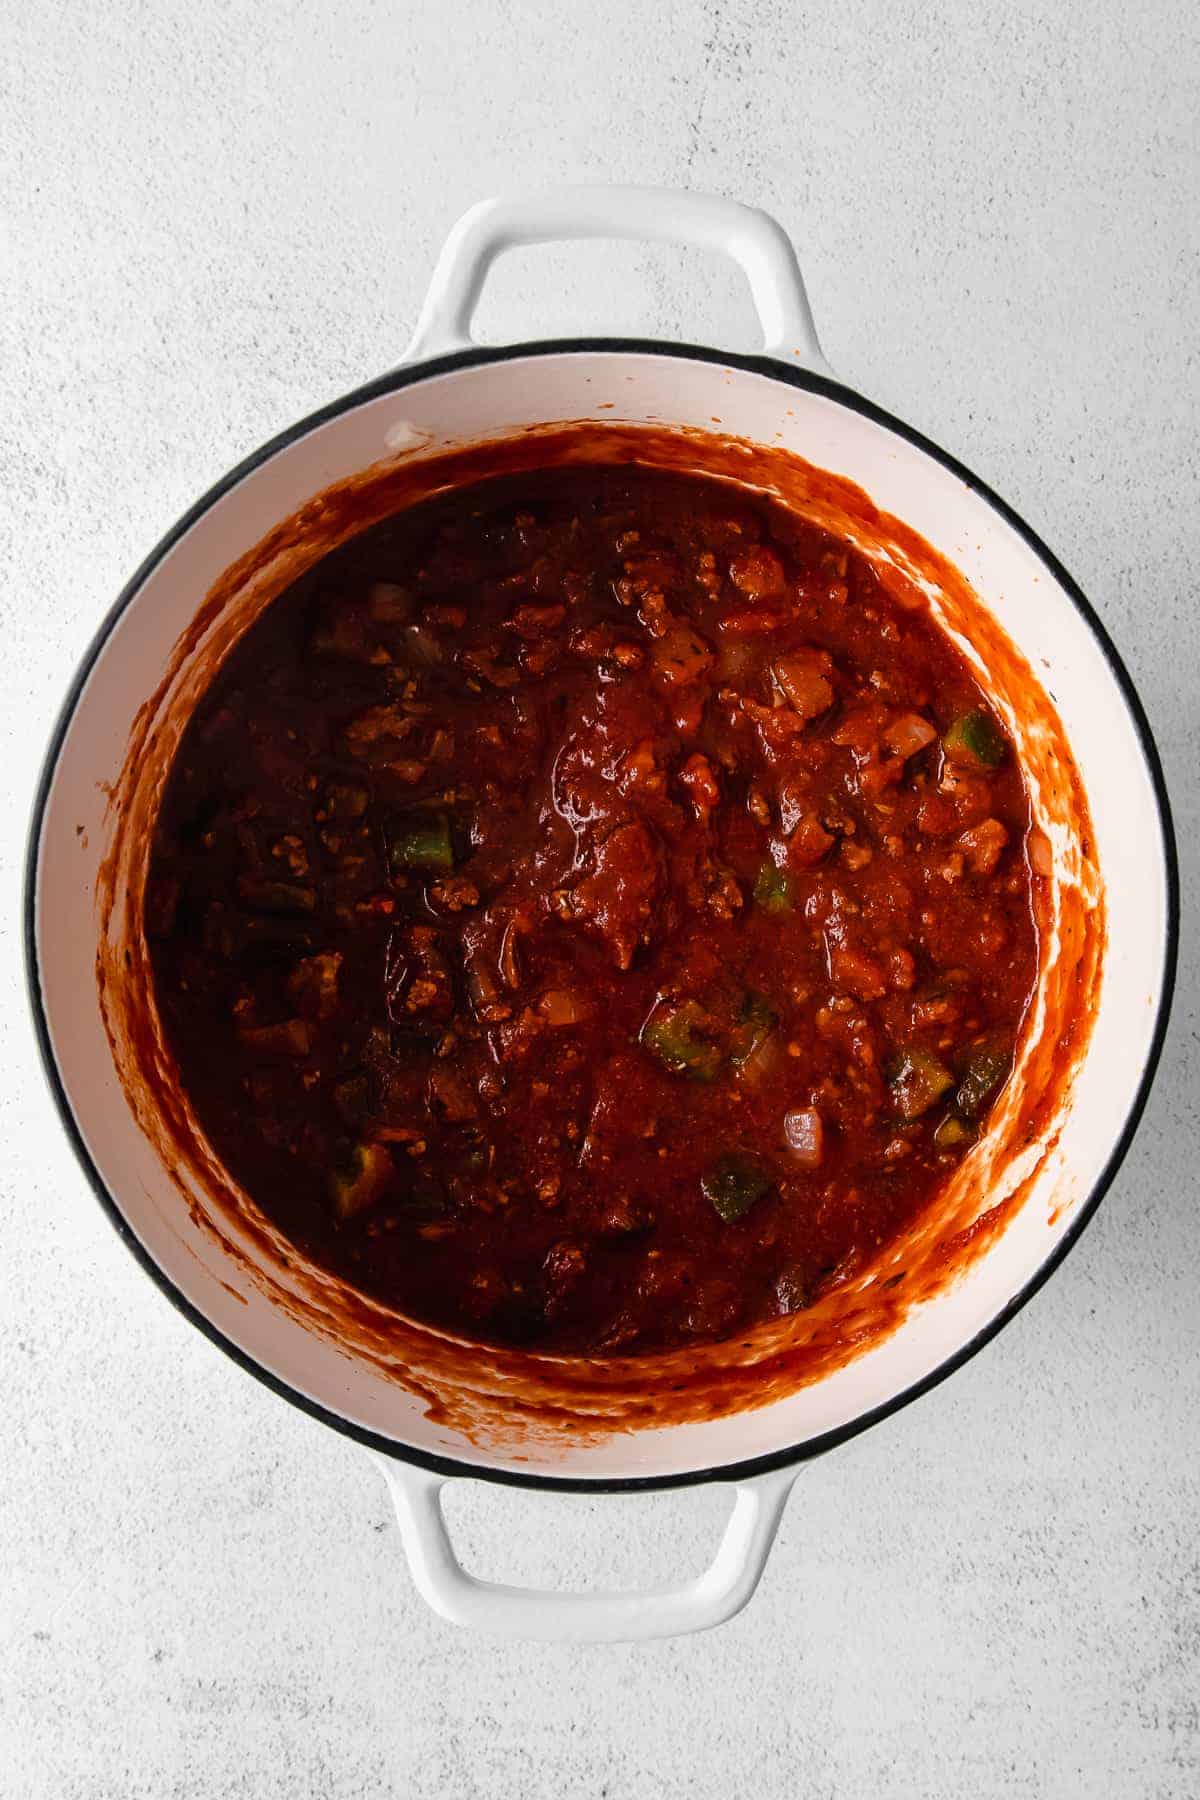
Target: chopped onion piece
column 1041, row 857
column 559, row 1006
column 909, row 733
column 804, row 1135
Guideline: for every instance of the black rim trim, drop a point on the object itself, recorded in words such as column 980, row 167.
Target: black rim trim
column 726, row 1472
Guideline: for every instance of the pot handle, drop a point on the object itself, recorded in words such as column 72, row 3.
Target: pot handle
column 760, row 247
column 716, row 1595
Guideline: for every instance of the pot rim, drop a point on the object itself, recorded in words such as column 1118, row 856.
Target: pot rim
column 404, row 376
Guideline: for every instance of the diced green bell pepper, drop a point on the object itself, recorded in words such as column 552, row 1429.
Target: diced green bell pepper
column 984, row 1072
column 917, row 1079
column 360, row 1180
column 974, row 737
column 773, row 889
column 675, row 1033
column 953, row 1132
column 420, row 841
column 733, row 1184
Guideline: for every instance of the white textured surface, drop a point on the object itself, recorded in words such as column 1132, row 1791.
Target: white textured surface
column 216, row 217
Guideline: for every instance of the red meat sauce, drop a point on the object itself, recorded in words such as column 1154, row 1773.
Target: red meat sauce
column 589, row 912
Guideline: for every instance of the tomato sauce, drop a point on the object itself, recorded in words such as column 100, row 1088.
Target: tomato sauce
column 588, row 912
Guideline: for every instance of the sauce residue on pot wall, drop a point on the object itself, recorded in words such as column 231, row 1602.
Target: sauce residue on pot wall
column 511, row 1398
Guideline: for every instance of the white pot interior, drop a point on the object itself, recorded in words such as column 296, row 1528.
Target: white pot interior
column 501, row 397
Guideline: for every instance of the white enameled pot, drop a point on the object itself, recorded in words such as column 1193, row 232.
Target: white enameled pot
column 447, row 391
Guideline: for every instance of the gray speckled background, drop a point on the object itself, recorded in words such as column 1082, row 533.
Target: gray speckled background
column 217, row 216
